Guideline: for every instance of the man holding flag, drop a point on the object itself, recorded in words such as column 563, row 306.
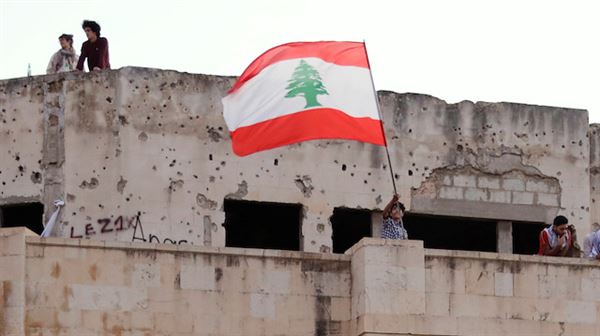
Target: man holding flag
column 304, row 91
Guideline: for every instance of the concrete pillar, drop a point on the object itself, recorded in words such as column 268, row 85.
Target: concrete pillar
column 376, row 220
column 504, row 237
column 388, row 281
column 12, row 280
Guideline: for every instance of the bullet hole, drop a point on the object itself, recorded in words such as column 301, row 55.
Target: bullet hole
column 195, row 176
column 320, row 228
column 159, row 124
column 304, row 183
column 276, row 162
column 209, row 157
column 123, row 120
column 21, row 169
column 17, row 157
column 175, row 184
column 154, row 168
column 109, row 99
column 343, row 167
column 121, row 184
column 211, row 179
column 205, row 203
column 351, row 174
column 410, row 130
column 172, row 163
column 365, row 181
column 223, row 163
column 92, row 184
column 410, row 172
column 396, row 176
column 36, row 177
column 213, row 134
column 459, row 148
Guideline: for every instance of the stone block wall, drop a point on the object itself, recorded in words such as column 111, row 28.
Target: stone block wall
column 379, row 287
column 85, row 287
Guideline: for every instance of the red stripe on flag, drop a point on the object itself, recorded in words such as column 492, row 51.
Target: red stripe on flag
column 340, row 53
column 321, row 123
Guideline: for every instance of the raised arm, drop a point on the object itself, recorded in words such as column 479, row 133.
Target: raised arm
column 388, row 208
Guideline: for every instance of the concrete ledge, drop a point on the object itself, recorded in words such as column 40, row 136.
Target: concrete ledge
column 383, row 242
column 430, row 253
column 89, row 243
column 16, row 230
column 480, row 209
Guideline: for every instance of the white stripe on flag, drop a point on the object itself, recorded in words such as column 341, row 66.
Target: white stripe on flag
column 263, row 97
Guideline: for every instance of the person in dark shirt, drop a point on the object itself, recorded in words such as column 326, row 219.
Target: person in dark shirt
column 95, row 49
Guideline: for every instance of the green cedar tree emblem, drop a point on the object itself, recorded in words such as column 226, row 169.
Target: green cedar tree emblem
column 306, row 82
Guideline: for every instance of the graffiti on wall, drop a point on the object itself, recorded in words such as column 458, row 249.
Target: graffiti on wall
column 138, row 235
column 123, row 223
column 105, row 226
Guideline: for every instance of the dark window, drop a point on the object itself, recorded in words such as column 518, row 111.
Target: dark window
column 452, row 233
column 262, row 225
column 29, row 215
column 526, row 237
column 349, row 226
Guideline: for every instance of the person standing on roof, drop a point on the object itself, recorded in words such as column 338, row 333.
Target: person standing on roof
column 64, row 59
column 95, row 49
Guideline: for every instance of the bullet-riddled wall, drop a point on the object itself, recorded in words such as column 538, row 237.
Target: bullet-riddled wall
column 118, row 144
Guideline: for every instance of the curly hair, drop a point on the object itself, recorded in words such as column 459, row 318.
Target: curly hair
column 93, row 25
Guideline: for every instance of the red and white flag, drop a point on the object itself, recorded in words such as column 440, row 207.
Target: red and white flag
column 303, row 91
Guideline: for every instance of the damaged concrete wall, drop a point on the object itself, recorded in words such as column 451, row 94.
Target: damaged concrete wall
column 22, row 140
column 149, row 149
column 497, row 161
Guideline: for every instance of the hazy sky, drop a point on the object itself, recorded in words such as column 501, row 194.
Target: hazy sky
column 534, row 52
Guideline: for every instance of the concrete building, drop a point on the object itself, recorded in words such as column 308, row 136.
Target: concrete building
column 142, row 157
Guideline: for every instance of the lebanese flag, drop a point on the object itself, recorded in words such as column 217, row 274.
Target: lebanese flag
column 303, row 91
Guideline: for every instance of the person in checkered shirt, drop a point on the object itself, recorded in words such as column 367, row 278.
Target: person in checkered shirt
column 393, row 227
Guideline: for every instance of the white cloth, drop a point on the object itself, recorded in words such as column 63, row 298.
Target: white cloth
column 591, row 245
column 50, row 225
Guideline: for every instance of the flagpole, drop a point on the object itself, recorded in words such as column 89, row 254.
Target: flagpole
column 387, row 152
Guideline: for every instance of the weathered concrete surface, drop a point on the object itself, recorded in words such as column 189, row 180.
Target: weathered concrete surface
column 118, row 144
column 379, row 287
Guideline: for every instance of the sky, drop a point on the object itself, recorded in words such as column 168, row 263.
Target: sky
column 527, row 51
